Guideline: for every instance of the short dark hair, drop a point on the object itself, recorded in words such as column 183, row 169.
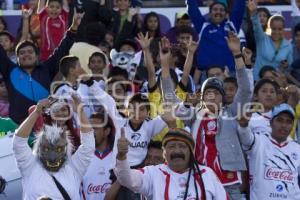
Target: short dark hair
column 117, row 71
column 155, row 144
column 262, row 82
column 58, row 1
column 265, row 69
column 140, row 99
column 215, row 3
column 27, row 43
column 6, row 33
column 103, row 115
column 214, row 66
column 66, row 63
column 95, row 54
column 231, row 80
column 184, row 29
column 112, row 81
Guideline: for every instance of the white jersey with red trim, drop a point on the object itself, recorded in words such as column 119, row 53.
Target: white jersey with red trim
column 260, row 123
column 161, row 183
column 96, row 180
column 274, row 169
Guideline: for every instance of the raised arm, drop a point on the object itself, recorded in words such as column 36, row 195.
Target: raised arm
column 144, row 41
column 257, row 28
column 26, row 127
column 192, row 47
column 244, row 92
column 63, row 49
column 247, row 138
column 25, row 25
column 295, row 8
column 41, row 5
column 195, row 14
column 66, row 5
column 237, row 13
column 22, row 151
column 130, row 178
column 81, row 158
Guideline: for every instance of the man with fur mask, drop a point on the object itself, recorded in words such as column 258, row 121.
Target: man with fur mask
column 51, row 169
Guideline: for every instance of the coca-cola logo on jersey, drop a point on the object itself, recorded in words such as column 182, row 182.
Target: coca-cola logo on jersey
column 279, row 174
column 98, row 188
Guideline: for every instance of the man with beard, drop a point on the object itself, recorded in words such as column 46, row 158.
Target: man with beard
column 51, row 169
column 29, row 81
column 179, row 178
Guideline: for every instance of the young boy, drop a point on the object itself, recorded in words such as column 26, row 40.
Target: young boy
column 7, row 42
column 230, row 87
column 97, row 64
column 54, row 23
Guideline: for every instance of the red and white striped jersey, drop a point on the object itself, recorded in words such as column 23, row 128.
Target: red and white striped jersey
column 96, row 180
column 274, row 169
column 206, row 152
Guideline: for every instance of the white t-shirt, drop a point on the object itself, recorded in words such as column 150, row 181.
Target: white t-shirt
column 96, row 180
column 274, row 169
column 37, row 181
column 160, row 182
column 139, row 138
column 260, row 123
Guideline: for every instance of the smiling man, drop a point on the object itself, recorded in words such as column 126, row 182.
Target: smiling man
column 213, row 48
column 29, row 81
column 274, row 161
column 179, row 178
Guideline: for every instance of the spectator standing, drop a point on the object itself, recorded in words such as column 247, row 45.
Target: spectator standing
column 280, row 51
column 151, row 25
column 7, row 42
column 29, row 81
column 180, row 177
column 96, row 181
column 213, row 48
column 53, row 24
column 273, row 160
column 182, row 19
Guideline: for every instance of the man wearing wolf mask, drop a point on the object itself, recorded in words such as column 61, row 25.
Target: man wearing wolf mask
column 51, row 169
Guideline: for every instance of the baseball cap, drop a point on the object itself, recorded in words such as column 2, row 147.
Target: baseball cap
column 282, row 108
column 214, row 83
column 179, row 134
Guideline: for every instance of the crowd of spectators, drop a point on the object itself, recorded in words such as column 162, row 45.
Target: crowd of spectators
column 129, row 74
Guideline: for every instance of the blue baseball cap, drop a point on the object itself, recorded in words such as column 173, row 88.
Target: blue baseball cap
column 283, row 108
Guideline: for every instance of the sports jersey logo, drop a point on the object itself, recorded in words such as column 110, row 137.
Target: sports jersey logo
column 98, row 188
column 182, row 182
column 136, row 136
column 211, row 125
column 279, row 175
column 279, row 188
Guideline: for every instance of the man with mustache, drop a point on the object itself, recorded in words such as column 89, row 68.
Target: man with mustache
column 274, row 160
column 181, row 177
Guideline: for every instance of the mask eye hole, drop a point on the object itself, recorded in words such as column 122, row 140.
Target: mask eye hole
column 59, row 149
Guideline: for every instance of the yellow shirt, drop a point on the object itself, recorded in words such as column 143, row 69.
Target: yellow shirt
column 156, row 106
